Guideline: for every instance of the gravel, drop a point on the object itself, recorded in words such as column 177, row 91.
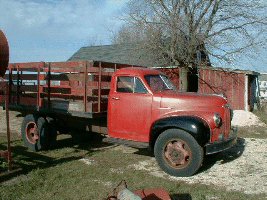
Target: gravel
column 244, row 118
column 241, row 168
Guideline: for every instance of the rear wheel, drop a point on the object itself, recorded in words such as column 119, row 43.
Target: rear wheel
column 52, row 133
column 178, row 153
column 35, row 133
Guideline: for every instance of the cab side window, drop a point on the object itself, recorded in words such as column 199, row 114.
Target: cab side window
column 139, row 87
column 127, row 84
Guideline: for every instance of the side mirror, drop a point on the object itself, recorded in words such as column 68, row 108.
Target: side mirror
column 4, row 54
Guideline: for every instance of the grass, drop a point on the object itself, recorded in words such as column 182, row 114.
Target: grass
column 262, row 114
column 59, row 174
column 259, row 132
column 252, row 132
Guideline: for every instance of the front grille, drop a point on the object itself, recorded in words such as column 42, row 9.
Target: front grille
column 227, row 122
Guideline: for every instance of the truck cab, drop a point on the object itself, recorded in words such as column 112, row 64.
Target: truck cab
column 144, row 106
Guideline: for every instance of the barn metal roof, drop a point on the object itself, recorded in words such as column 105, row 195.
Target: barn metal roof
column 131, row 55
column 118, row 53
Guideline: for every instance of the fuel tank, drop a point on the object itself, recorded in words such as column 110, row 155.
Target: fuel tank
column 4, row 54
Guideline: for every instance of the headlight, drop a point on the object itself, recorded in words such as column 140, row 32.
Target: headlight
column 217, row 119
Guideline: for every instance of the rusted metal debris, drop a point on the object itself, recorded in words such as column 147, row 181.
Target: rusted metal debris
column 4, row 59
column 121, row 192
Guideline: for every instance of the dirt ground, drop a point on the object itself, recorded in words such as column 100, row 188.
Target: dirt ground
column 15, row 123
column 242, row 168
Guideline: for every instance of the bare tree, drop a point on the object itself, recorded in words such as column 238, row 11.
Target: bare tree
column 179, row 32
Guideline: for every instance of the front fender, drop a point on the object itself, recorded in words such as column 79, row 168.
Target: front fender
column 195, row 126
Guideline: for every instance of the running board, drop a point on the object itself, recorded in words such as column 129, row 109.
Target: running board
column 129, row 143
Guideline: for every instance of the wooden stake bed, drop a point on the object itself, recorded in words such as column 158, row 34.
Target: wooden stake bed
column 77, row 89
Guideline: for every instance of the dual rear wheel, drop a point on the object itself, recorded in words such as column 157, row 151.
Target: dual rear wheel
column 38, row 133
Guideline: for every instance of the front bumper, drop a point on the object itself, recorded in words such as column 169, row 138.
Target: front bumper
column 216, row 147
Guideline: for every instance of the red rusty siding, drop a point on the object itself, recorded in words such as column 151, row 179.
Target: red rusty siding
column 231, row 84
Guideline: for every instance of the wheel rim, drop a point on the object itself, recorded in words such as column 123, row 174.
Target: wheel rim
column 177, row 153
column 32, row 133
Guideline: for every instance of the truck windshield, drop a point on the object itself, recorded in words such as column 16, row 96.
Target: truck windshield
column 159, row 83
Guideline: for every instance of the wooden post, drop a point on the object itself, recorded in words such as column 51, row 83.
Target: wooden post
column 9, row 160
column 49, row 85
column 38, row 89
column 85, row 86
column 99, row 86
column 10, row 84
column 18, row 85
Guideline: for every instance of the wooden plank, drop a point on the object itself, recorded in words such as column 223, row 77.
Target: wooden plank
column 24, row 77
column 30, row 88
column 69, row 64
column 31, row 101
column 27, row 66
column 64, row 70
column 63, row 77
column 61, row 90
column 63, row 96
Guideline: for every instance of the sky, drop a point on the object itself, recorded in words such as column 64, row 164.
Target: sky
column 53, row 30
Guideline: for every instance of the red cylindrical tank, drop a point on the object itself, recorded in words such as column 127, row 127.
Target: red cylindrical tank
column 4, row 54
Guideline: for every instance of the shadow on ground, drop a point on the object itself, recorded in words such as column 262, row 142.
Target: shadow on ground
column 25, row 161
column 181, row 196
column 225, row 156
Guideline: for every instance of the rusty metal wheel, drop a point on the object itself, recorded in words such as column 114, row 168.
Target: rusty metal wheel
column 178, row 153
column 34, row 131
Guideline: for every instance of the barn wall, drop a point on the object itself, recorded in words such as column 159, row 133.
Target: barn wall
column 231, row 84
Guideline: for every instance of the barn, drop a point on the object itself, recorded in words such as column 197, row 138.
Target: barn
column 240, row 87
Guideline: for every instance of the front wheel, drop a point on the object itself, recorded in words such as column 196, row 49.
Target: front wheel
column 178, row 153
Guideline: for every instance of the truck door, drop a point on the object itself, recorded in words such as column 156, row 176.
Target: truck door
column 130, row 110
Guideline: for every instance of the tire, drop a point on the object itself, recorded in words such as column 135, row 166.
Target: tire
column 52, row 133
column 34, row 132
column 178, row 153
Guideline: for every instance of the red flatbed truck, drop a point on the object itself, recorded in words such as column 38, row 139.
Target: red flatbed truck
column 132, row 104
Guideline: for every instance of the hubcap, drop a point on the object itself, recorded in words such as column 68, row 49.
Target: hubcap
column 177, row 153
column 32, row 133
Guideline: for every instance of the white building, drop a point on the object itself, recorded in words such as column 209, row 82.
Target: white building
column 263, row 85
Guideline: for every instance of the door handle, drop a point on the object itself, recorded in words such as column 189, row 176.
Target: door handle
column 116, row 98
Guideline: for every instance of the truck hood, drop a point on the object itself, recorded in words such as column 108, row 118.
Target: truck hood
column 190, row 101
